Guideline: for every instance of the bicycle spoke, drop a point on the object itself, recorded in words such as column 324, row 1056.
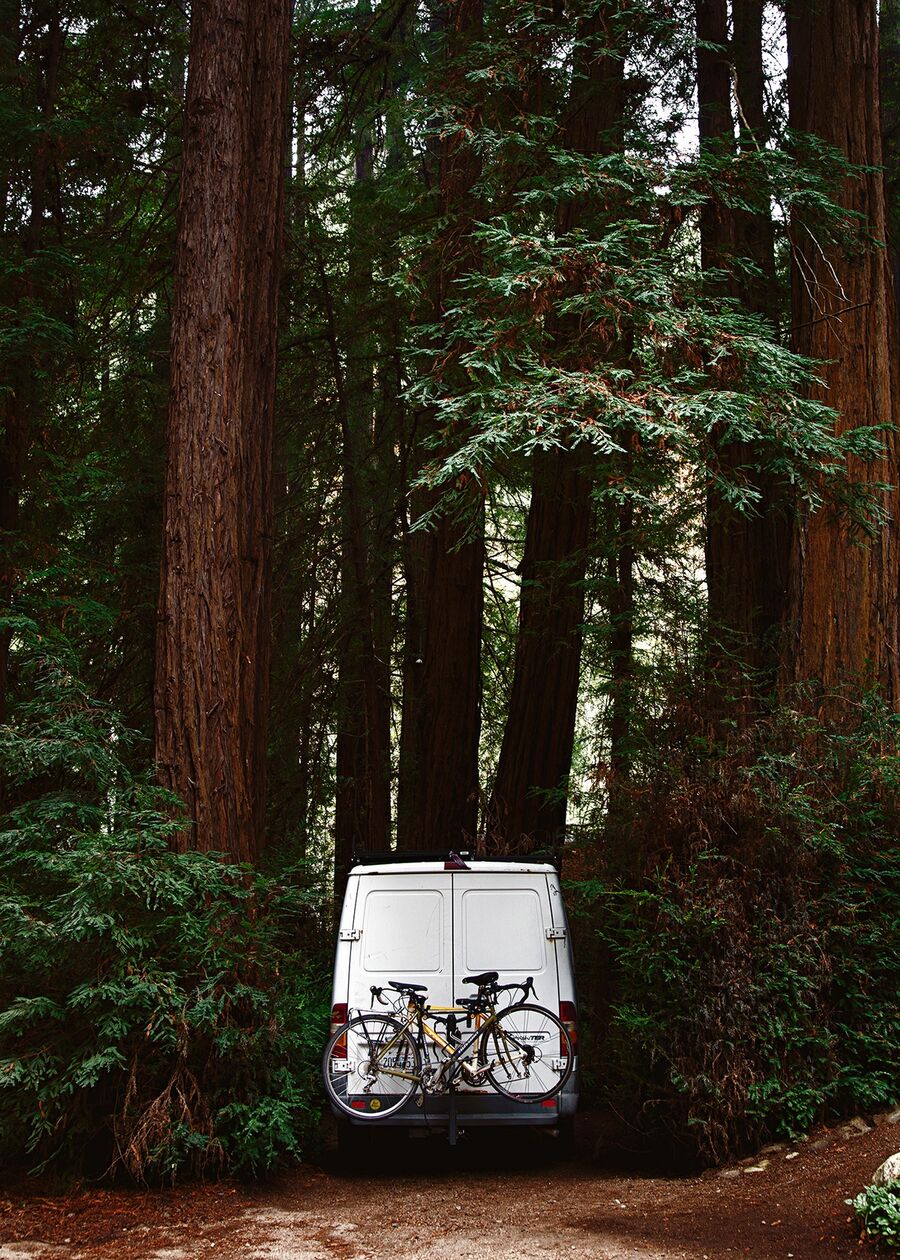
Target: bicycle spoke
column 527, row 1053
column 371, row 1067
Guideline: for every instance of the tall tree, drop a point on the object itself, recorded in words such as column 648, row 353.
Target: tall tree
column 844, row 608
column 27, row 282
column 528, row 802
column 213, row 641
column 714, row 123
column 444, row 563
column 746, row 552
column 754, row 230
column 15, row 382
column 890, row 111
column 363, row 802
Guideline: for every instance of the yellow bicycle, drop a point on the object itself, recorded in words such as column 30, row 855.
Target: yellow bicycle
column 375, row 1063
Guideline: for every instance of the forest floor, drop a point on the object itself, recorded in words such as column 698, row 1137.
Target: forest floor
column 490, row 1198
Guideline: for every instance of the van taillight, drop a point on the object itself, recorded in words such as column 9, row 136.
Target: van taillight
column 339, row 1017
column 568, row 1017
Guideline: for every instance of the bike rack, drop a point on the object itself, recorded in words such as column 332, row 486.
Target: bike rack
column 451, row 1116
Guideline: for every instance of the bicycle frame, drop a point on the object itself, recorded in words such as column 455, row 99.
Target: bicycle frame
column 452, row 1064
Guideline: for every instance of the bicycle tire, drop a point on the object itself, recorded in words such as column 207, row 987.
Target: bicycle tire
column 514, row 1073
column 355, row 1081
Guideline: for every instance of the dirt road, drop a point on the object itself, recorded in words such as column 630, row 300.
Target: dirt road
column 490, row 1199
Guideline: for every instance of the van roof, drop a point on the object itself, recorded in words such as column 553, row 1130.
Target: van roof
column 476, row 866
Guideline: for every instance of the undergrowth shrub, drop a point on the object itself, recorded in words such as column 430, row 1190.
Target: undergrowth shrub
column 750, row 945
column 878, row 1210
column 159, row 1013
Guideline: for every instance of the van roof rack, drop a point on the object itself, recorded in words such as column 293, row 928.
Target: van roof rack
column 386, row 856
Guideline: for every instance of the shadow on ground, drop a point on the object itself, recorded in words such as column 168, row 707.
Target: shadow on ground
column 599, row 1142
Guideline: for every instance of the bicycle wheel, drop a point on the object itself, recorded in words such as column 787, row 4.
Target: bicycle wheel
column 528, row 1053
column 371, row 1067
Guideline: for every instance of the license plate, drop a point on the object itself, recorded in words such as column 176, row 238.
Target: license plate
column 392, row 1061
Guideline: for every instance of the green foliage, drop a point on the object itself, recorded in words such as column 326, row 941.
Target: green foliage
column 753, row 953
column 160, row 1012
column 597, row 329
column 878, row 1209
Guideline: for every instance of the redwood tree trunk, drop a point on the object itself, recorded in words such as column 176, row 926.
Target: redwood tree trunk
column 620, row 567
column 12, row 438
column 890, row 109
column 213, row 640
column 527, row 807
column 746, row 555
column 438, row 805
column 714, row 123
column 25, row 285
column 363, row 804
column 843, row 612
column 444, row 565
column 528, row 804
column 754, row 232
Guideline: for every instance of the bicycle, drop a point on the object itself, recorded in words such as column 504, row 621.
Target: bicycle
column 373, row 1063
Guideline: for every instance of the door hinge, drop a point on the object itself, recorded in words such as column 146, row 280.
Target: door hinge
column 349, row 934
column 556, row 933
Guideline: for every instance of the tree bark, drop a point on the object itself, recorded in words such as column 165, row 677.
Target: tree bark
column 890, row 131
column 527, row 807
column 444, row 565
column 28, row 287
column 843, row 597
column 754, row 232
column 715, row 124
column 746, row 555
column 620, row 566
column 213, row 641
column 363, row 803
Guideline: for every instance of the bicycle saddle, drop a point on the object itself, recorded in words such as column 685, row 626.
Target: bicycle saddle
column 483, row 977
column 402, row 986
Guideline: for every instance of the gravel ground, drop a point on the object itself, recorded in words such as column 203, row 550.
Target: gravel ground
column 498, row 1197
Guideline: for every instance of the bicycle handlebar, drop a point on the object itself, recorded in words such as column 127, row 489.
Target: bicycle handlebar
column 484, row 990
column 377, row 992
column 526, row 985
column 492, row 989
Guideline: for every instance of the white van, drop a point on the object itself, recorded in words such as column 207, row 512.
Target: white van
column 433, row 922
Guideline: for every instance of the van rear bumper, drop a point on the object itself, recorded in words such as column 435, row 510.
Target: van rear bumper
column 473, row 1109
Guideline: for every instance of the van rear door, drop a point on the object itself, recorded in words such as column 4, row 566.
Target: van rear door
column 501, row 921
column 500, row 924
column 402, row 930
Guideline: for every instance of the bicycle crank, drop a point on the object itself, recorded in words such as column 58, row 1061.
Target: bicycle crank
column 433, row 1080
